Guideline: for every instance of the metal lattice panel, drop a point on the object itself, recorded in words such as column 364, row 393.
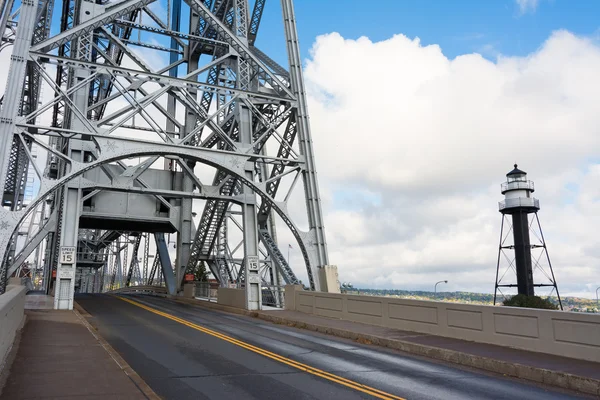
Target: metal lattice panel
column 234, row 109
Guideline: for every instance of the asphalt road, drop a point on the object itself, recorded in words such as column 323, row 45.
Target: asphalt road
column 182, row 354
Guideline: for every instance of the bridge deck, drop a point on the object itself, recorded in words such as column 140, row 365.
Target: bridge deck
column 582, row 368
column 184, row 351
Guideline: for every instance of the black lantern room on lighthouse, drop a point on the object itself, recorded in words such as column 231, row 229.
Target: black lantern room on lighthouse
column 520, row 215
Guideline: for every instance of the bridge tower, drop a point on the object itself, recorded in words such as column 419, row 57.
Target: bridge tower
column 520, row 215
column 153, row 137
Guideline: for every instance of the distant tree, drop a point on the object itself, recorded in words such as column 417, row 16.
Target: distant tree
column 524, row 301
column 199, row 271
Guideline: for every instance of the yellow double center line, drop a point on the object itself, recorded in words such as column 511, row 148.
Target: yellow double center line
column 295, row 364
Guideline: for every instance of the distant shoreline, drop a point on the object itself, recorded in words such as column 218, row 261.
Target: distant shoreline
column 575, row 304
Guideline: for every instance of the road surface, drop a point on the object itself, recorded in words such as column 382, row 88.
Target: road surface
column 189, row 352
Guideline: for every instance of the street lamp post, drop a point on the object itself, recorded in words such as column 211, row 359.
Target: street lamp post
column 435, row 287
column 598, row 288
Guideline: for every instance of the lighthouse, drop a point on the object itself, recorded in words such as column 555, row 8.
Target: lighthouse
column 519, row 211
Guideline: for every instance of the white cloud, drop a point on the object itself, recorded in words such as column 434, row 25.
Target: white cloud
column 432, row 139
column 419, row 144
column 527, row 5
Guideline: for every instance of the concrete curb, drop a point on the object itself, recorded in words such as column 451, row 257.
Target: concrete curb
column 125, row 367
column 534, row 374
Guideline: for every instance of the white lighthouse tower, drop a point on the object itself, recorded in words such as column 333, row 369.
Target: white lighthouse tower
column 517, row 191
column 516, row 208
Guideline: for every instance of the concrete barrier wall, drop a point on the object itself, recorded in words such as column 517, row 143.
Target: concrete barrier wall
column 12, row 306
column 231, row 297
column 566, row 334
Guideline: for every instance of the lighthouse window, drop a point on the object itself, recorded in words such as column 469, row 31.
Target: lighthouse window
column 517, row 178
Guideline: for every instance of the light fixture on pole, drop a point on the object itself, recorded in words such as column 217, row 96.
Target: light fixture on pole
column 435, row 287
column 598, row 288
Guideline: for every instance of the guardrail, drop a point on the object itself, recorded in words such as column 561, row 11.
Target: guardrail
column 206, row 290
column 12, row 308
column 519, row 202
column 568, row 334
column 525, row 185
column 150, row 290
column 232, row 297
column 273, row 295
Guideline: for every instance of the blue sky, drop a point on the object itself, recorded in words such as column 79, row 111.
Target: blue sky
column 388, row 226
column 488, row 27
column 414, row 242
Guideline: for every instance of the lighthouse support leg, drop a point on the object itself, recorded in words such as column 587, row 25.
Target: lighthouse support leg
column 499, row 254
column 548, row 258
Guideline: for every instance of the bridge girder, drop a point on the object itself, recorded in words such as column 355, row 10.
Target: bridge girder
column 233, row 105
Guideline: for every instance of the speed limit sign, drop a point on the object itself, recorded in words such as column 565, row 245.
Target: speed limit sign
column 67, row 255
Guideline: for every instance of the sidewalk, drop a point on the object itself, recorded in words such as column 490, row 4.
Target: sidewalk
column 59, row 358
column 568, row 373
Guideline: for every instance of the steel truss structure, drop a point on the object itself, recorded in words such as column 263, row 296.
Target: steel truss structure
column 542, row 267
column 122, row 81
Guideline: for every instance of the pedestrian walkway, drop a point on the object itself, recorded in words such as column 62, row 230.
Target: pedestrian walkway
column 59, row 358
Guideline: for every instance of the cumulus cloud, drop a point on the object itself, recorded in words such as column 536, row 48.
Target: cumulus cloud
column 422, row 143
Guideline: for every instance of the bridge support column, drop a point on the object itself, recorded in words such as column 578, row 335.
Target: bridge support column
column 184, row 236
column 252, row 263
column 165, row 263
column 8, row 114
column 65, row 272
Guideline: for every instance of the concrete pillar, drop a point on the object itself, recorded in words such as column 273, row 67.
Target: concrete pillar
column 290, row 296
column 189, row 290
column 67, row 258
column 328, row 277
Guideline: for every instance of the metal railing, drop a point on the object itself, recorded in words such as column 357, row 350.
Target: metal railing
column 519, row 202
column 524, row 185
column 273, row 296
column 151, row 290
column 206, row 290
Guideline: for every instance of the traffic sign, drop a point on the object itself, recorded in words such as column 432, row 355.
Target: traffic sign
column 67, row 255
column 252, row 263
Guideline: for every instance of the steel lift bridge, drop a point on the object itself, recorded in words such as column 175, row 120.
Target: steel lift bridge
column 121, row 118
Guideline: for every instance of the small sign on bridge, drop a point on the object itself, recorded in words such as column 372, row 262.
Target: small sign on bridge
column 67, row 255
